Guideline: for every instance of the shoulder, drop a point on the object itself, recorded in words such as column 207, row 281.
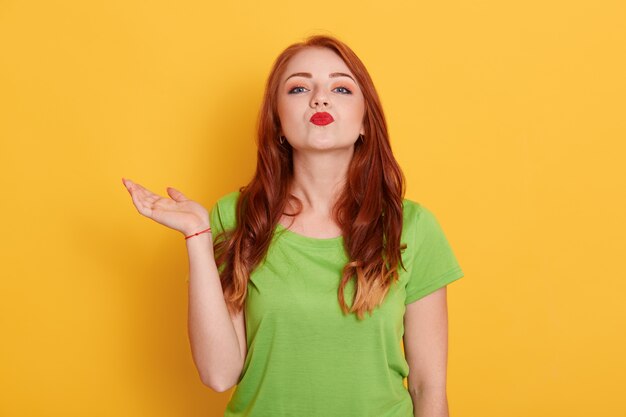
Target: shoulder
column 224, row 210
column 228, row 201
column 420, row 224
column 415, row 214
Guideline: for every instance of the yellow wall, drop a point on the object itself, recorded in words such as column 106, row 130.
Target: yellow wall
column 507, row 118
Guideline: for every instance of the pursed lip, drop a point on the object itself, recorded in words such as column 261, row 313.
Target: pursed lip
column 321, row 118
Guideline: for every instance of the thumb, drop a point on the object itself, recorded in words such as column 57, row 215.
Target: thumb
column 175, row 194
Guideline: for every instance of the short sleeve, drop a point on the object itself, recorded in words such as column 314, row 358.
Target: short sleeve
column 215, row 220
column 222, row 214
column 222, row 217
column 434, row 264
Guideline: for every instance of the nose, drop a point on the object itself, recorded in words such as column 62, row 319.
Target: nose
column 319, row 98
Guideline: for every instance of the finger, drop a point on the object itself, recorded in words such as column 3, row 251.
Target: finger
column 127, row 184
column 175, row 194
column 141, row 205
column 144, row 194
column 141, row 198
column 162, row 203
column 152, row 198
column 146, row 202
column 131, row 186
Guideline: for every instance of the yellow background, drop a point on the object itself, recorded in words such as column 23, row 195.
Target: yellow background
column 507, row 118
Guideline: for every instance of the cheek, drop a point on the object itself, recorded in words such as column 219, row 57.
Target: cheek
column 356, row 105
column 282, row 107
column 282, row 113
column 287, row 120
column 362, row 106
column 357, row 112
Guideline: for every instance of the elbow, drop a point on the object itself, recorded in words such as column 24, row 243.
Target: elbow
column 220, row 388
column 222, row 380
column 217, row 386
column 421, row 389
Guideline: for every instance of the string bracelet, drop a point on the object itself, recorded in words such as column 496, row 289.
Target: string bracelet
column 196, row 234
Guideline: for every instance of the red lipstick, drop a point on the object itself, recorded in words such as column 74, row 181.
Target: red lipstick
column 322, row 118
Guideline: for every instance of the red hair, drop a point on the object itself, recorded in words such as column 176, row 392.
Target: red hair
column 368, row 210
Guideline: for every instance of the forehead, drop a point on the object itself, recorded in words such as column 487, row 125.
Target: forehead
column 317, row 61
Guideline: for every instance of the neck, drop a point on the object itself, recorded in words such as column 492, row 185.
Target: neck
column 318, row 178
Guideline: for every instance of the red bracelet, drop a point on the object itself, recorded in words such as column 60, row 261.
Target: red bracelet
column 196, row 234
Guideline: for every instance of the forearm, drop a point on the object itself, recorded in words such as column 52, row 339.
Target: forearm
column 429, row 402
column 214, row 343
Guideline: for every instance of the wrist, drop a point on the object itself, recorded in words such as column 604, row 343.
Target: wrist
column 199, row 230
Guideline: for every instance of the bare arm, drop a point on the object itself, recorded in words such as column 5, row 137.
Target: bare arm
column 426, row 350
column 218, row 341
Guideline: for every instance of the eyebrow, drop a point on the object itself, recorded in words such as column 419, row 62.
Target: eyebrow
column 331, row 75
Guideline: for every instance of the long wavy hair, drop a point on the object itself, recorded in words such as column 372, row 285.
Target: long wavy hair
column 368, row 208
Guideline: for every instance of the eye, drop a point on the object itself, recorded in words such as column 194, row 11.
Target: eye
column 343, row 90
column 296, row 90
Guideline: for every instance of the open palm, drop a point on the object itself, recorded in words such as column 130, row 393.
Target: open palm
column 177, row 212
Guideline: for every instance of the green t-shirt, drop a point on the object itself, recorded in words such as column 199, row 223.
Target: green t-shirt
column 305, row 357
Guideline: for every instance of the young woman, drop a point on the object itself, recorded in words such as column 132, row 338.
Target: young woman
column 304, row 283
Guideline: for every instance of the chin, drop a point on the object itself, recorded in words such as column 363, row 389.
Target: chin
column 329, row 145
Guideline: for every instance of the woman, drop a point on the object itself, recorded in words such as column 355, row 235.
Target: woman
column 319, row 267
